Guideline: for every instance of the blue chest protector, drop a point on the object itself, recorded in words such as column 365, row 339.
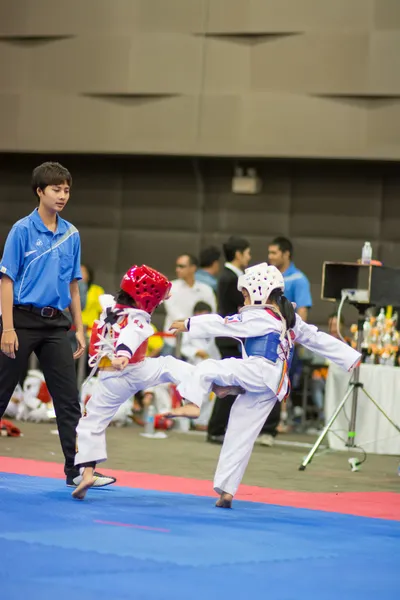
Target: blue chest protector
column 266, row 346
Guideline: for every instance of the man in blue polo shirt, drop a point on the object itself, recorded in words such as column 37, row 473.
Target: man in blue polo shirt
column 297, row 286
column 39, row 271
column 297, row 290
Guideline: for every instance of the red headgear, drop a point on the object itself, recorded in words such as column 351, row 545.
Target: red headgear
column 146, row 286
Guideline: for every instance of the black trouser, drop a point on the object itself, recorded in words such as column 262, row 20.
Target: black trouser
column 47, row 337
column 222, row 406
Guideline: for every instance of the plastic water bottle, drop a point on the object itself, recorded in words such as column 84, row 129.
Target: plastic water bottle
column 149, row 421
column 366, row 254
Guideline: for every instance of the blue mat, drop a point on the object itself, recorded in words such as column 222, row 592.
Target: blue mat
column 124, row 543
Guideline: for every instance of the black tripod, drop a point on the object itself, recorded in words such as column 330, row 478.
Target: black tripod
column 354, row 386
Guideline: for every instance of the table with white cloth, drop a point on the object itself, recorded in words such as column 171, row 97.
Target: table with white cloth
column 374, row 433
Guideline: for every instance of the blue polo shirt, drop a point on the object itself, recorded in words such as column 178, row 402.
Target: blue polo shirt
column 41, row 263
column 297, row 287
column 205, row 277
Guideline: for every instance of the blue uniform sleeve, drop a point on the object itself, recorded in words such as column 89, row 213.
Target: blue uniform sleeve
column 302, row 293
column 76, row 271
column 14, row 253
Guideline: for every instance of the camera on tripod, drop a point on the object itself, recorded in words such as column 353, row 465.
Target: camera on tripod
column 364, row 286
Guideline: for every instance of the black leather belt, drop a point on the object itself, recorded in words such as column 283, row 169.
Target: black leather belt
column 47, row 312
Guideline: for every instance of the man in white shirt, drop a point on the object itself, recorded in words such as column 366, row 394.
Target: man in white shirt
column 186, row 292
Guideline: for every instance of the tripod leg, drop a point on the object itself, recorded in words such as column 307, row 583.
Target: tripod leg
column 379, row 407
column 325, row 431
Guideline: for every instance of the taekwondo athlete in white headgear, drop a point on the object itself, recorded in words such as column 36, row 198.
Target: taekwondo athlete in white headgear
column 269, row 326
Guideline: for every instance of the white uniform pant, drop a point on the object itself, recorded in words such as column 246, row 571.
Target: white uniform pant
column 248, row 414
column 206, row 410
column 247, row 417
column 112, row 390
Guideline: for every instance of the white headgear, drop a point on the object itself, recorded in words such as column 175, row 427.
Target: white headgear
column 259, row 281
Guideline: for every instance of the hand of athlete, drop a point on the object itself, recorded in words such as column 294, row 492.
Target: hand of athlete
column 9, row 343
column 178, row 326
column 202, row 354
column 119, row 362
column 81, row 341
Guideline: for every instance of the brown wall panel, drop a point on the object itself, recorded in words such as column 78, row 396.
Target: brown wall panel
column 289, row 15
column 42, row 17
column 384, row 124
column 268, row 78
column 227, row 63
column 385, row 63
column 314, row 62
column 9, row 108
column 386, row 14
column 273, row 120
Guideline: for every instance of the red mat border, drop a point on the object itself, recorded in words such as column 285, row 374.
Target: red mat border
column 378, row 505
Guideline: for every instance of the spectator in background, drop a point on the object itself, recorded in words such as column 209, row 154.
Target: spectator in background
column 297, row 286
column 237, row 255
column 89, row 294
column 297, row 290
column 91, row 309
column 155, row 344
column 185, row 293
column 209, row 267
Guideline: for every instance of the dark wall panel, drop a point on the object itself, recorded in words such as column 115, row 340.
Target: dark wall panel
column 147, row 209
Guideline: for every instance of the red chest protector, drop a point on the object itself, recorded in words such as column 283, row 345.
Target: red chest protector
column 137, row 357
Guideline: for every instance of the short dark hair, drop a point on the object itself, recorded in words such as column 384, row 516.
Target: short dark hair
column 234, row 244
column 49, row 173
column 208, row 256
column 283, row 244
column 202, row 307
column 192, row 259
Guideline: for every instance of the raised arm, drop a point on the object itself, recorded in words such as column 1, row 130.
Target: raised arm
column 331, row 348
column 243, row 325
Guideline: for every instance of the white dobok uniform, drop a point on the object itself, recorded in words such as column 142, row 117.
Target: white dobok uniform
column 126, row 336
column 265, row 380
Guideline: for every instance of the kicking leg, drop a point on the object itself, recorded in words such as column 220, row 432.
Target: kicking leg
column 223, row 377
column 167, row 369
column 247, row 417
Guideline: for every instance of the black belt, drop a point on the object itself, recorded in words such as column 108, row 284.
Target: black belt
column 48, row 312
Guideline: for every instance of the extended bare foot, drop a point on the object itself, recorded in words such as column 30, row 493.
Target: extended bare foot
column 229, row 390
column 88, row 480
column 224, row 501
column 191, row 411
